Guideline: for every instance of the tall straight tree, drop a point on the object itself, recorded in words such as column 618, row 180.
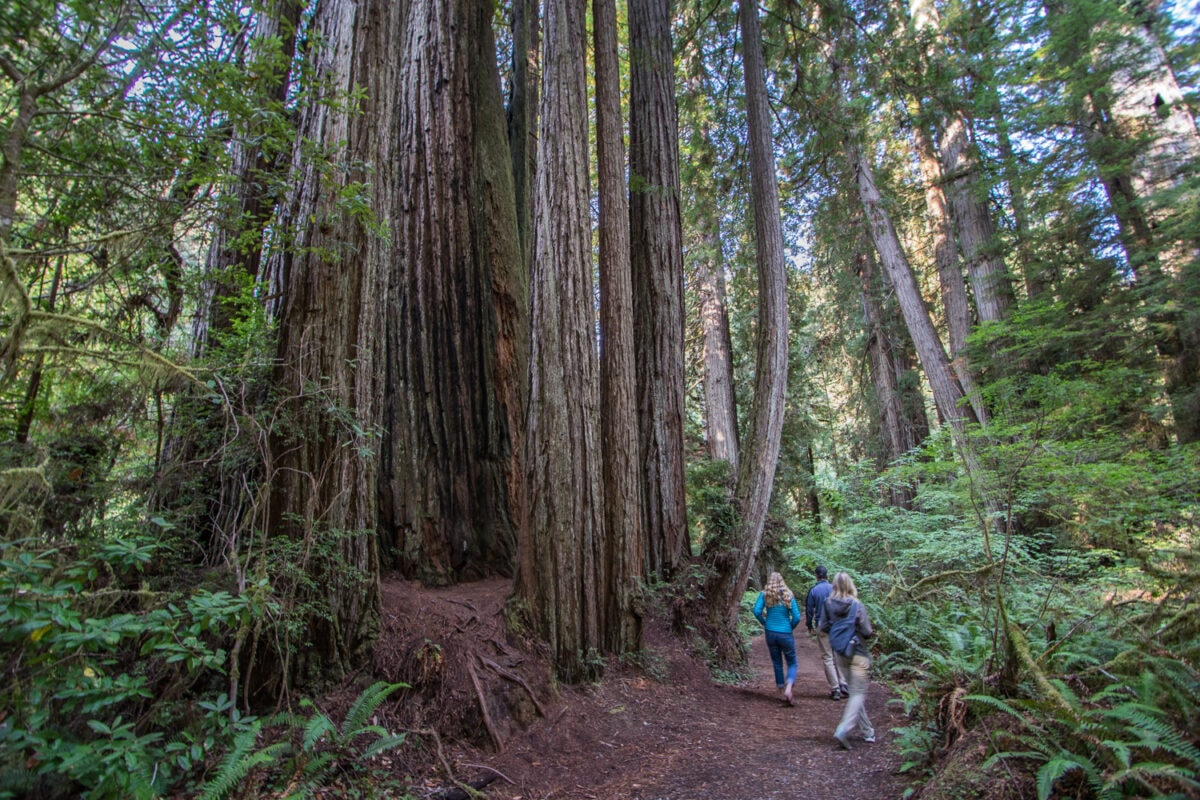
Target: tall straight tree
column 455, row 329
column 657, row 259
column 522, row 114
column 962, row 179
column 559, row 582
column 756, row 474
column 624, row 552
column 333, row 283
column 955, row 302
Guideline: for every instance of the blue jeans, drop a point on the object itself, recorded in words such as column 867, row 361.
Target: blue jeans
column 782, row 646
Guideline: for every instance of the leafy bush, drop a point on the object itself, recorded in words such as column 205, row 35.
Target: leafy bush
column 114, row 690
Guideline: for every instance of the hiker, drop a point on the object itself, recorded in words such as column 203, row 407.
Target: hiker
column 776, row 609
column 814, row 604
column 846, row 622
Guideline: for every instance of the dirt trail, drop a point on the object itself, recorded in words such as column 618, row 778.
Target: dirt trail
column 681, row 736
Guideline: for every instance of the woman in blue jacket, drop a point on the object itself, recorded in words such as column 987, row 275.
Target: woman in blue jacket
column 779, row 614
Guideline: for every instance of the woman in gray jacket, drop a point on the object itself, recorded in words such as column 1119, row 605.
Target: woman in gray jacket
column 845, row 620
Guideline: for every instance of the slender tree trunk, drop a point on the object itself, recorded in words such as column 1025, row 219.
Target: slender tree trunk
column 657, row 260
column 235, row 252
column 882, row 365
column 522, row 114
column 720, row 405
column 623, row 563
column 28, row 407
column 954, row 290
column 756, row 474
column 563, row 447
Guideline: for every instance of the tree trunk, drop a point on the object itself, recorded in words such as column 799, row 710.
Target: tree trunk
column 562, row 591
column 1142, row 135
column 976, row 232
column 954, row 290
column 235, row 252
column 443, row 496
column 968, row 199
column 657, row 261
column 624, row 555
column 522, row 115
column 756, row 475
column 720, row 405
column 322, row 466
column 947, row 392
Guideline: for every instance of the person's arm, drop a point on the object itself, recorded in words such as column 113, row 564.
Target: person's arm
column 759, row 604
column 863, row 622
column 810, row 609
column 795, row 614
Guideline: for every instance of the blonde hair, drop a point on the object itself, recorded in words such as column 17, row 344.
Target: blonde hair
column 777, row 592
column 843, row 586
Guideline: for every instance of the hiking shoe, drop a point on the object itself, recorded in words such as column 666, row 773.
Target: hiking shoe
column 845, row 690
column 842, row 740
column 835, row 695
column 869, row 739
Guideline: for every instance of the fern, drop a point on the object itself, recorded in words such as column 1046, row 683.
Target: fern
column 365, row 705
column 1054, row 769
column 241, row 761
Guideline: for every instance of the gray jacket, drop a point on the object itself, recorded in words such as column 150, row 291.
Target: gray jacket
column 838, row 607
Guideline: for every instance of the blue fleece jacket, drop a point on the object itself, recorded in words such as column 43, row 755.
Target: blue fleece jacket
column 781, row 619
column 817, row 596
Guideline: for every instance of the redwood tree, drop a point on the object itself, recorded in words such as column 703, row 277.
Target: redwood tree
column 756, row 473
column 624, row 551
column 657, row 258
column 454, row 334
column 559, row 573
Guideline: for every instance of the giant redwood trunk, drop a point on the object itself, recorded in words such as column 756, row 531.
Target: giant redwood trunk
column 657, row 257
column 624, row 551
column 333, row 284
column 559, row 583
column 454, row 336
column 756, row 475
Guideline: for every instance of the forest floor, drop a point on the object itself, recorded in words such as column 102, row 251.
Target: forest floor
column 660, row 730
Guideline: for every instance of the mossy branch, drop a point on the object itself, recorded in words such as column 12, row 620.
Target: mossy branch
column 939, row 577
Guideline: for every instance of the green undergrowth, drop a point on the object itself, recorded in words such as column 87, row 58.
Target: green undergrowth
column 1054, row 640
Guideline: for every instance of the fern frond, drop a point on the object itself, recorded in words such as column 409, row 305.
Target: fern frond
column 240, row 761
column 366, row 704
column 996, row 703
column 384, row 743
column 314, row 729
column 1056, row 768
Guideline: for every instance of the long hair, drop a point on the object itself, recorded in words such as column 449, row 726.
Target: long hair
column 777, row 592
column 843, row 587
